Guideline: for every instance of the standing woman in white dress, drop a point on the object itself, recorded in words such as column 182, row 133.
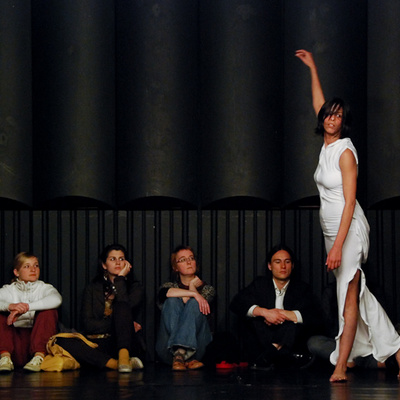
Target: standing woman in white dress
column 364, row 327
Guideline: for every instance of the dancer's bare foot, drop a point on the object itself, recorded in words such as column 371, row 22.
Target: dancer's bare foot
column 339, row 375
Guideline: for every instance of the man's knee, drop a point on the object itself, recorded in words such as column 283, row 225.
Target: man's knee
column 321, row 346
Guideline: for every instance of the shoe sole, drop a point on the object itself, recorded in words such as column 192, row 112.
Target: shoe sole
column 31, row 369
column 125, row 369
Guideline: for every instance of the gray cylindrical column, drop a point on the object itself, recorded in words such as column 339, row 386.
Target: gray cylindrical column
column 241, row 103
column 15, row 104
column 157, row 118
column 74, row 102
column 335, row 32
column 383, row 114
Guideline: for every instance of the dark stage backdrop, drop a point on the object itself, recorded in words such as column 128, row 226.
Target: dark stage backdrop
column 231, row 247
column 113, row 112
column 130, row 104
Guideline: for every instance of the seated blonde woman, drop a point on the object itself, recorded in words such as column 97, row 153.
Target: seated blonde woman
column 28, row 316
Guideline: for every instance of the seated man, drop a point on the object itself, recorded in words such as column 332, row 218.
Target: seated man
column 280, row 314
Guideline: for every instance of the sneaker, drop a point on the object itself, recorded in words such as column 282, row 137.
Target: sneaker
column 125, row 367
column 6, row 365
column 34, row 365
column 136, row 363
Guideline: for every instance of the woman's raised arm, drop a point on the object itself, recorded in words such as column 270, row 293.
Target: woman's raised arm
column 316, row 88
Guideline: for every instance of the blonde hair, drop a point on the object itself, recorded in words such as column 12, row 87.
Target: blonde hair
column 20, row 258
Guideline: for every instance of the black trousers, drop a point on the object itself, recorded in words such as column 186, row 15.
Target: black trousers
column 259, row 339
column 122, row 336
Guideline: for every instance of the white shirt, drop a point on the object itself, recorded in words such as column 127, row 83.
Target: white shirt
column 279, row 297
column 39, row 295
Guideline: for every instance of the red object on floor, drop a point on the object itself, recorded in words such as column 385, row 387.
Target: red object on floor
column 226, row 365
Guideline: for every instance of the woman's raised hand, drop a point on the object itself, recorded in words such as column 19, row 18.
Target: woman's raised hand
column 195, row 283
column 126, row 269
column 306, row 57
column 316, row 88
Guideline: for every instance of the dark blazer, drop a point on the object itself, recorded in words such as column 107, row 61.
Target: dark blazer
column 93, row 304
column 261, row 292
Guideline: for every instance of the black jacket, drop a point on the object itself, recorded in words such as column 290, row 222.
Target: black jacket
column 261, row 292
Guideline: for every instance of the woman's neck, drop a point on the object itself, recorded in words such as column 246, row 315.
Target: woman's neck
column 26, row 282
column 329, row 139
column 111, row 277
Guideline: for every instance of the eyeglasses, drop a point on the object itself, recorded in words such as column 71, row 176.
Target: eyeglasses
column 186, row 260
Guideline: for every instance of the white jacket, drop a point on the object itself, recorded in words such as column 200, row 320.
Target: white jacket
column 39, row 295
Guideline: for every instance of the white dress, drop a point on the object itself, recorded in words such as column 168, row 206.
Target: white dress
column 375, row 334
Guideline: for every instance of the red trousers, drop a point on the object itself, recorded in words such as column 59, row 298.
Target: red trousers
column 23, row 343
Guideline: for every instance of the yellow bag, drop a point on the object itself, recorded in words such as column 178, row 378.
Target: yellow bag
column 59, row 359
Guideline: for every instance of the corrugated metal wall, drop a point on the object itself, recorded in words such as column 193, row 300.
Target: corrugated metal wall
column 231, row 245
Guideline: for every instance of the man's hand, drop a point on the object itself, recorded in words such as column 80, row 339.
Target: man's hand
column 273, row 316
column 290, row 315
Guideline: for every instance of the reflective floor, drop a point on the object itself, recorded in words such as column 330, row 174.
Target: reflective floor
column 159, row 382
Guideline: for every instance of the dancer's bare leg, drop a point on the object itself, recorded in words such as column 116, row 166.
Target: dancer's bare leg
column 350, row 315
column 398, row 362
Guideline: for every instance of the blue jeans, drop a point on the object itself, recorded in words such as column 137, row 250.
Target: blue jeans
column 182, row 325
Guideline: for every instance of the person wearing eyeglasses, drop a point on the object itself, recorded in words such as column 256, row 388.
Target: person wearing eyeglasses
column 184, row 301
column 279, row 313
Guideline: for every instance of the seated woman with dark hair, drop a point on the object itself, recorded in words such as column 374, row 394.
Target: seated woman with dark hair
column 110, row 307
column 185, row 306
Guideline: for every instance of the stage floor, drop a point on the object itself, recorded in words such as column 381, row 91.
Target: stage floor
column 159, row 382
